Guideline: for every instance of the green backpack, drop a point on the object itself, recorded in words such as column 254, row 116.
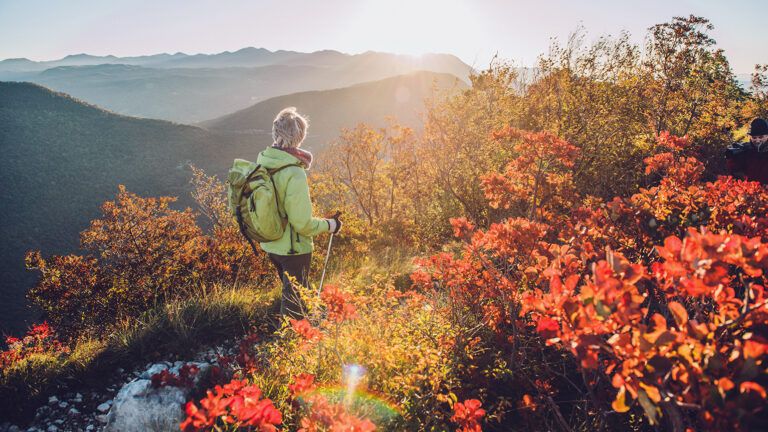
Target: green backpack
column 252, row 199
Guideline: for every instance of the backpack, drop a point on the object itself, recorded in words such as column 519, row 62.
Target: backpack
column 253, row 200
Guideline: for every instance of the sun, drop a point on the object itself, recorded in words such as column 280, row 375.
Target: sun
column 413, row 27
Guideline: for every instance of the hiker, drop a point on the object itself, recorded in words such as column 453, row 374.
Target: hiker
column 291, row 254
column 749, row 161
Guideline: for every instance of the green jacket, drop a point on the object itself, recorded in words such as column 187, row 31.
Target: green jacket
column 293, row 194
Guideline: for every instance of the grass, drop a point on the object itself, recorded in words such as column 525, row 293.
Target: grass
column 178, row 327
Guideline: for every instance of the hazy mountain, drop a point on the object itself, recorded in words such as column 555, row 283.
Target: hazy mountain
column 245, row 57
column 330, row 110
column 191, row 88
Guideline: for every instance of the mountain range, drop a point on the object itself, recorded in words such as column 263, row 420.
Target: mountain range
column 193, row 88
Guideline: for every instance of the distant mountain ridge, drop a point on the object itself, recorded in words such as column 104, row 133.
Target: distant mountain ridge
column 244, row 57
column 192, row 88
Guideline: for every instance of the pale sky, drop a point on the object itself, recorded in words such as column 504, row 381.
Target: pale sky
column 471, row 29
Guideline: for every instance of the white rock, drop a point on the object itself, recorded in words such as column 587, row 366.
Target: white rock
column 59, row 422
column 154, row 369
column 89, row 427
column 73, row 411
column 52, row 428
column 63, row 404
column 104, row 407
column 52, row 400
column 102, row 418
column 140, row 407
column 78, row 398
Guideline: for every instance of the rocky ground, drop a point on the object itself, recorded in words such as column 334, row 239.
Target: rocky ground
column 123, row 403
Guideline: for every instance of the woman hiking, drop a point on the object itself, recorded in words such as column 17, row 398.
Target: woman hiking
column 292, row 253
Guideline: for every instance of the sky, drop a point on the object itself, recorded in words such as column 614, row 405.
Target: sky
column 473, row 30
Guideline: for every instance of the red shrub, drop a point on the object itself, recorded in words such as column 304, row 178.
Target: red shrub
column 678, row 330
column 467, row 415
column 236, row 403
column 40, row 339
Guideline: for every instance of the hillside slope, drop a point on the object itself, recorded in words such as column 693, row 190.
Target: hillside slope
column 62, row 159
column 330, row 110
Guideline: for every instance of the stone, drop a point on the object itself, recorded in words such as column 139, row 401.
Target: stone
column 53, row 400
column 53, row 428
column 104, row 407
column 140, row 407
column 73, row 411
column 154, row 369
column 102, row 418
column 63, row 404
column 89, row 428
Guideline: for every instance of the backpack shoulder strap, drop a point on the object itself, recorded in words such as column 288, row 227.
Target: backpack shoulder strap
column 272, row 172
column 275, row 170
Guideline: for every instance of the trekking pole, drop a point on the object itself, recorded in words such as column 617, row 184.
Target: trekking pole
column 325, row 266
column 327, row 255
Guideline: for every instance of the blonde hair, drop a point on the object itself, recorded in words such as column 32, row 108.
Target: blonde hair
column 289, row 128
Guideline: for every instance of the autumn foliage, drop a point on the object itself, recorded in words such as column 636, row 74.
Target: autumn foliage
column 141, row 252
column 40, row 339
column 660, row 294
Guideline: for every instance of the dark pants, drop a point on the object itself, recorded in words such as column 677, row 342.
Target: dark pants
column 296, row 266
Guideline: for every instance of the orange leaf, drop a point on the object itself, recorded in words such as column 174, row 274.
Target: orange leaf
column 725, row 384
column 754, row 349
column 653, row 392
column 679, row 313
column 620, row 403
column 752, row 386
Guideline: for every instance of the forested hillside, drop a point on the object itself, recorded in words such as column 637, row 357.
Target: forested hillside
column 63, row 158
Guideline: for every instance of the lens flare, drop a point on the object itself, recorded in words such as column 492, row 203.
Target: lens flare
column 351, row 376
column 360, row 402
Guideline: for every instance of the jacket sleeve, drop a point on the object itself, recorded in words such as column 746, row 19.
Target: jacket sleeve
column 298, row 206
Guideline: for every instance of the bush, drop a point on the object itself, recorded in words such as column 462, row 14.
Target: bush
column 143, row 253
column 677, row 333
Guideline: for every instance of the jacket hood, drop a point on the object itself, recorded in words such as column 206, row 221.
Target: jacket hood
column 273, row 157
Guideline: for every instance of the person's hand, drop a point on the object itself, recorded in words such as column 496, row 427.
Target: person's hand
column 334, row 223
